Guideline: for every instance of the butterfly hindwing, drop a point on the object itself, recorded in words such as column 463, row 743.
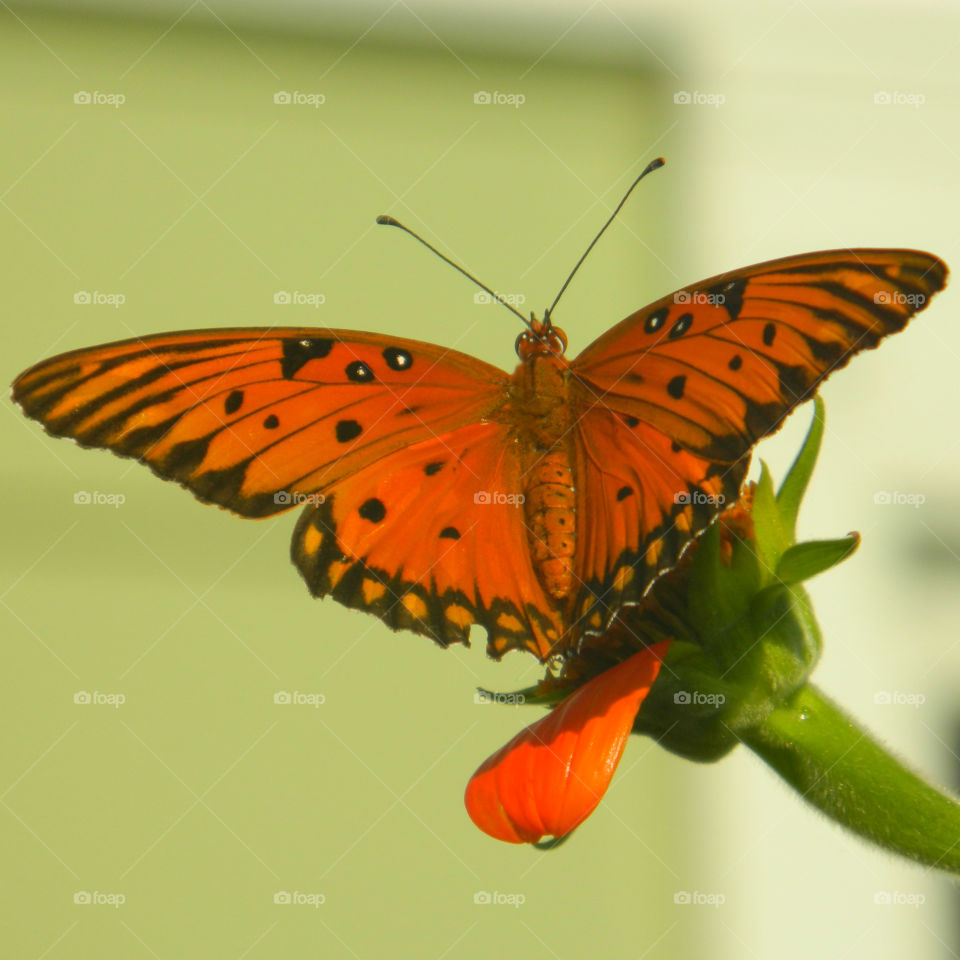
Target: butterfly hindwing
column 647, row 499
column 433, row 539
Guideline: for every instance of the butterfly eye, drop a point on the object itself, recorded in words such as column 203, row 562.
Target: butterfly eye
column 557, row 341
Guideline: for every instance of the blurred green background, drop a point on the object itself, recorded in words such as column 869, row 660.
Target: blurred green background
column 197, row 200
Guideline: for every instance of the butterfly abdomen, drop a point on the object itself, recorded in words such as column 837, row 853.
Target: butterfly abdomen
column 552, row 522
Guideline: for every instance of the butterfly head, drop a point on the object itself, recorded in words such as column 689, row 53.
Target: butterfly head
column 541, row 339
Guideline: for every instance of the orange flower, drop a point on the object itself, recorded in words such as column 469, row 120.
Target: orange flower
column 550, row 777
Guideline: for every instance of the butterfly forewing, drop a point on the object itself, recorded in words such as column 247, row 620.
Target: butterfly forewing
column 719, row 364
column 254, row 419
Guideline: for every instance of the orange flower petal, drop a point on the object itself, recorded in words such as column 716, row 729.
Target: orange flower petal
column 549, row 778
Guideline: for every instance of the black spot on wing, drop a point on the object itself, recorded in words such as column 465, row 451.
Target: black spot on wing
column 271, row 422
column 450, row 533
column 358, row 372
column 683, row 324
column 624, row 492
column 298, row 352
column 431, row 468
column 398, row 359
column 656, row 320
column 676, row 386
column 348, row 430
column 729, row 295
column 373, row 510
column 233, row 402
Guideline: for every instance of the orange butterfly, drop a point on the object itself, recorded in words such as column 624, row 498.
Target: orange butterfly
column 443, row 491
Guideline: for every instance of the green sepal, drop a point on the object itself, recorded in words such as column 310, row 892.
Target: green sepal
column 794, row 486
column 805, row 560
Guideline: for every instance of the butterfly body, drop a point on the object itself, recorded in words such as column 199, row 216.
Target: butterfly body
column 440, row 491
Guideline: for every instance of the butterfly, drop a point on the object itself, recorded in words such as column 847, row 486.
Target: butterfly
column 441, row 491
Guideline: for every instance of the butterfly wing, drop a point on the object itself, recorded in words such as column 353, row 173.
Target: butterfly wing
column 383, row 437
column 693, row 381
column 433, row 539
column 255, row 419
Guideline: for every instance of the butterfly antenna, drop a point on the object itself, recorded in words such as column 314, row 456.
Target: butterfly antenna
column 649, row 168
column 385, row 220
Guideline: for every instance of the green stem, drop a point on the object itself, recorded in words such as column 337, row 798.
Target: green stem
column 842, row 771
